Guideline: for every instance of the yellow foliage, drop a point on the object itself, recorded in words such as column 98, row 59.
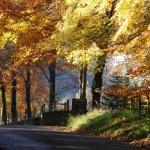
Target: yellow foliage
column 83, row 9
column 82, row 57
column 128, row 17
column 83, row 25
column 81, row 31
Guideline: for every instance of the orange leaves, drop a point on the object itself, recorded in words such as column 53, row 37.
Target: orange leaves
column 11, row 9
column 38, row 3
column 117, row 92
column 121, row 92
column 28, row 24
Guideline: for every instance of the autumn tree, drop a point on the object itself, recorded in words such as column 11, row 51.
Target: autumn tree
column 26, row 29
column 53, row 68
column 114, row 26
column 27, row 73
column 30, row 96
column 29, row 28
column 5, row 73
column 83, row 33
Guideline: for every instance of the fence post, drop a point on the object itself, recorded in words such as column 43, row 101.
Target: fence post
column 139, row 106
column 42, row 111
column 54, row 105
column 34, row 112
column 67, row 104
column 130, row 104
column 25, row 115
column 8, row 118
column 148, row 106
column 43, row 108
column 108, row 105
column 16, row 121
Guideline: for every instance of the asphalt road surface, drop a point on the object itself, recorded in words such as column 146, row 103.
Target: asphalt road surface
column 42, row 138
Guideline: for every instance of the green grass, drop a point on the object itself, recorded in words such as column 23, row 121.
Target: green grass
column 119, row 124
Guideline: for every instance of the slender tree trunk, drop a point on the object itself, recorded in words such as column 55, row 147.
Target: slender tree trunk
column 4, row 112
column 83, row 80
column 13, row 97
column 28, row 101
column 52, row 86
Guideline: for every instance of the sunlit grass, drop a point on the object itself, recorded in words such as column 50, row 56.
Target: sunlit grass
column 84, row 121
column 129, row 125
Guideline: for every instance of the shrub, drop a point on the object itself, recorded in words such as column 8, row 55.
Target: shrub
column 59, row 118
column 35, row 121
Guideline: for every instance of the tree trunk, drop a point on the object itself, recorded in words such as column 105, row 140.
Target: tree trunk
column 83, row 80
column 52, row 86
column 4, row 112
column 98, row 82
column 28, row 86
column 13, row 97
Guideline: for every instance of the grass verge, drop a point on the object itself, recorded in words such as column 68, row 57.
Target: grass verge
column 123, row 126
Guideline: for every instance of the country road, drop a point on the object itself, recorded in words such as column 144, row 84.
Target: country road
column 43, row 138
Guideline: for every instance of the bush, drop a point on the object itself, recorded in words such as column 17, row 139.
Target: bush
column 35, row 121
column 59, row 118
